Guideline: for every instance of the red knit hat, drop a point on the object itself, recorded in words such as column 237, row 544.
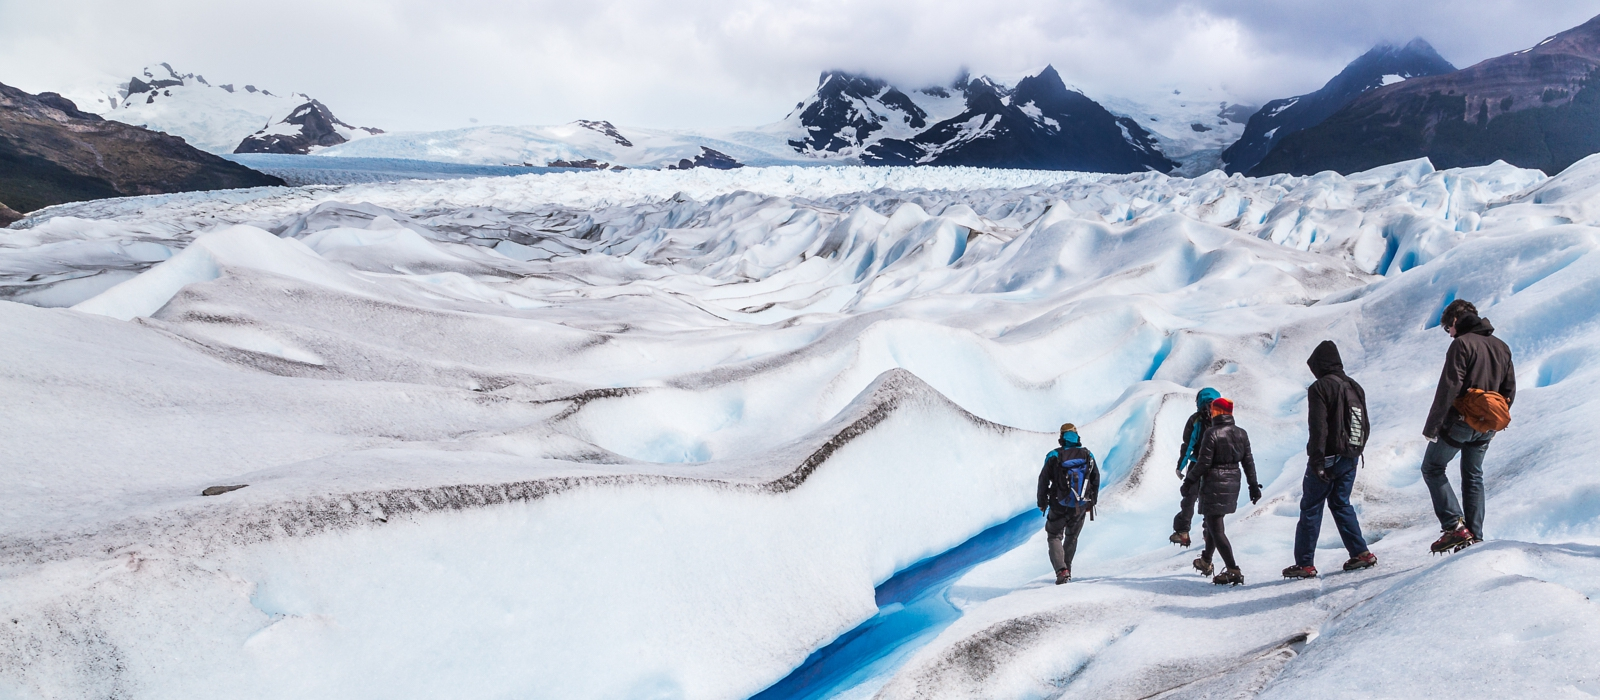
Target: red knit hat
column 1221, row 406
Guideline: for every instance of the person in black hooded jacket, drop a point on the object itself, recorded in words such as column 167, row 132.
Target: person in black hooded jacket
column 1337, row 423
column 1476, row 360
column 1224, row 449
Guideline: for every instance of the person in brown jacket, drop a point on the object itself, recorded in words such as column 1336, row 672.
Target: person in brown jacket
column 1476, row 360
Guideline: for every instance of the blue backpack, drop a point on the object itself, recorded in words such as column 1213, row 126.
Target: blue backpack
column 1073, row 475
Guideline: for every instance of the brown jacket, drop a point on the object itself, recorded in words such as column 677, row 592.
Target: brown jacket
column 1476, row 360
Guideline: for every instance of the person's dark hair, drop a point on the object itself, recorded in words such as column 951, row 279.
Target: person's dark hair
column 1456, row 310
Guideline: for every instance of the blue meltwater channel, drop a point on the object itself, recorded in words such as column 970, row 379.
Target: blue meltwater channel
column 912, row 610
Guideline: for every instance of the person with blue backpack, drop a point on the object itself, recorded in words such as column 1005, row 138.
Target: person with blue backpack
column 1193, row 430
column 1069, row 487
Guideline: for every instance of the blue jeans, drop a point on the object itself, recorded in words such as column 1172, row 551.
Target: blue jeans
column 1341, row 472
column 1434, row 462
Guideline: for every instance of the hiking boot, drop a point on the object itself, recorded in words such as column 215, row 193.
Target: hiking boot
column 1452, row 541
column 1179, row 538
column 1232, row 575
column 1364, row 560
column 1063, row 576
column 1298, row 571
column 1203, row 566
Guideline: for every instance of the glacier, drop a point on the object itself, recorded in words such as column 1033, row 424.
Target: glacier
column 652, row 434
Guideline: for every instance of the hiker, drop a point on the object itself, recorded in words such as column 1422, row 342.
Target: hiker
column 1224, row 448
column 1192, row 431
column 1338, row 422
column 1472, row 403
column 1069, row 486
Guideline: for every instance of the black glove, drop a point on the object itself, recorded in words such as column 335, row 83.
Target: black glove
column 1322, row 474
column 1255, row 494
column 1042, row 509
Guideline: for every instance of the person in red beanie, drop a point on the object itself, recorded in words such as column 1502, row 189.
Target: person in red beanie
column 1224, row 450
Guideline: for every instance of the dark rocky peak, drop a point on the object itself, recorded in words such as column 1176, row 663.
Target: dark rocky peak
column 1049, row 93
column 985, row 96
column 605, row 127
column 317, row 127
column 834, row 85
column 847, row 108
column 1417, row 58
column 1380, row 68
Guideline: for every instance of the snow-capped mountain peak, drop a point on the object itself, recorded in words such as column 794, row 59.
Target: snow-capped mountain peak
column 219, row 117
column 310, row 126
column 849, row 112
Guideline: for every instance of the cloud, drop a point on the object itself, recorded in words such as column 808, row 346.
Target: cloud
column 415, row 64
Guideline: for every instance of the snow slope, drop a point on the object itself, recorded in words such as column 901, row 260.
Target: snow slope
column 1191, row 126
column 660, row 434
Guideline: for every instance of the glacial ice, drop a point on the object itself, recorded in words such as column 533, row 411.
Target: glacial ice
column 661, row 434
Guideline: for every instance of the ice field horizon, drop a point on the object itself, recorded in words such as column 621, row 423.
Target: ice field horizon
column 774, row 432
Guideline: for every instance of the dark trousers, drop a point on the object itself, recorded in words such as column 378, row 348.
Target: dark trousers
column 1335, row 492
column 1062, row 527
column 1434, row 462
column 1185, row 516
column 1216, row 540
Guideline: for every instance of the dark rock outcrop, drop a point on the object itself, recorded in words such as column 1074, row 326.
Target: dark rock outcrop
column 708, row 158
column 605, row 127
column 8, row 215
column 309, row 126
column 586, row 164
column 1535, row 108
column 50, row 152
column 1278, row 119
column 1039, row 125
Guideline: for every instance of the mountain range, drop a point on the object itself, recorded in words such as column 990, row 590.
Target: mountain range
column 1385, row 64
column 1535, row 108
column 1532, row 108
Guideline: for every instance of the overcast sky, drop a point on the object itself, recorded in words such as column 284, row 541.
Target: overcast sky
column 422, row 64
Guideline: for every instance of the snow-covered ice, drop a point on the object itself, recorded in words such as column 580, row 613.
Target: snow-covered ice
column 654, row 434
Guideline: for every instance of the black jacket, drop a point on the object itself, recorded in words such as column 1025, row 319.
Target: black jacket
column 1224, row 449
column 1051, row 490
column 1475, row 360
column 1327, row 407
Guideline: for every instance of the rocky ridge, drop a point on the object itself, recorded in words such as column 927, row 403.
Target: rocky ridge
column 52, row 152
column 1534, row 108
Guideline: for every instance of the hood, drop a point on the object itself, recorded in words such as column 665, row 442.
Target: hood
column 1202, row 401
column 1325, row 360
column 1070, row 439
column 1471, row 323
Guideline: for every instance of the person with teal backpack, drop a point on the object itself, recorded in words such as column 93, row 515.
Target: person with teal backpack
column 1069, row 487
column 1193, row 430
